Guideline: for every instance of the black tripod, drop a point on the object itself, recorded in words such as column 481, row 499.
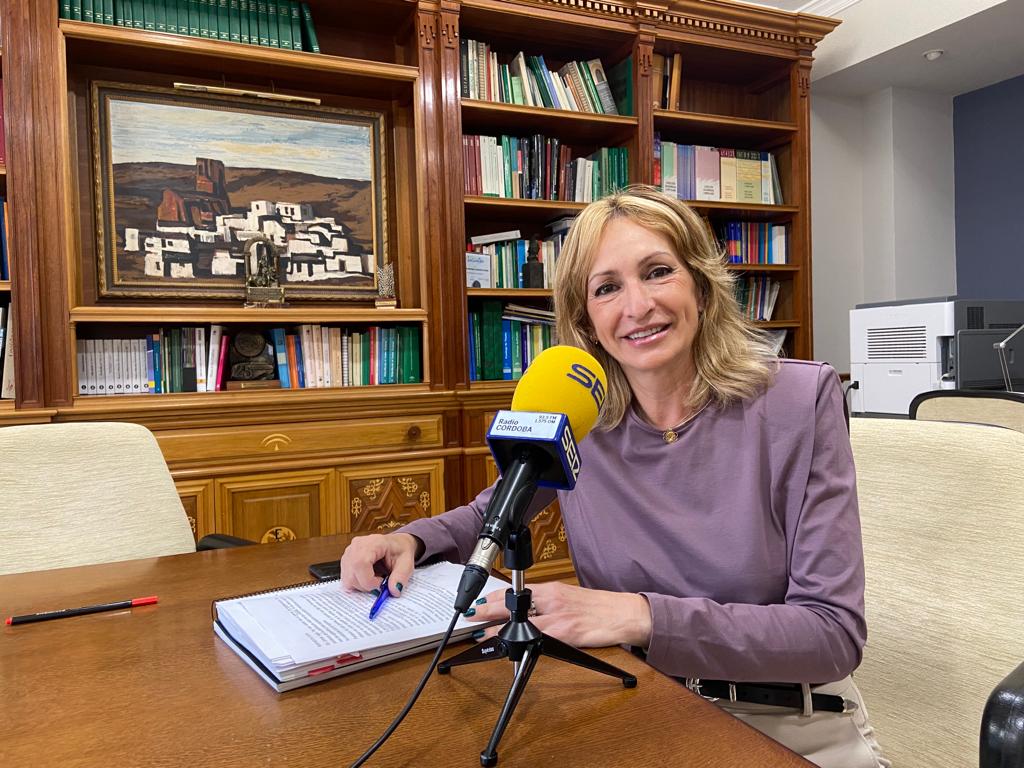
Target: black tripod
column 522, row 642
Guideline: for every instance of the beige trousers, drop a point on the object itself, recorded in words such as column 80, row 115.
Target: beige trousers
column 827, row 739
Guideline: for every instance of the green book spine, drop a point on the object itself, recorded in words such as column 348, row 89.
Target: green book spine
column 65, row 9
column 364, row 373
column 108, row 12
column 308, row 31
column 235, row 21
column 478, row 341
column 129, row 15
column 223, row 21
column 588, row 83
column 88, row 14
column 214, row 20
column 149, row 15
column 138, row 17
column 76, row 10
column 204, row 18
column 517, row 349
column 295, row 14
column 264, row 21
column 193, row 18
column 182, row 16
column 284, row 24
column 273, row 40
column 159, row 15
column 243, row 21
column 119, row 12
column 254, row 23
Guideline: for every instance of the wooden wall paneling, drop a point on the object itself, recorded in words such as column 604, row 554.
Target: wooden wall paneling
column 383, row 496
column 278, row 506
column 197, row 498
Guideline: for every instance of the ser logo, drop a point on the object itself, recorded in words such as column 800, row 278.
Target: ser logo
column 583, row 375
column 571, row 456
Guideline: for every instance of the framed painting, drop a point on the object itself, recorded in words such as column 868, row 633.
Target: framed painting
column 184, row 180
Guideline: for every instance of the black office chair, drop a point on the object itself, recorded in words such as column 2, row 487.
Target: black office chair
column 1002, row 724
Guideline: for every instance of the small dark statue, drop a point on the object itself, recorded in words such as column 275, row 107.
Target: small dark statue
column 262, row 273
column 250, row 358
column 533, row 269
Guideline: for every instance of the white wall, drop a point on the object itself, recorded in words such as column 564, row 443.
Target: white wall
column 837, row 148
column 882, row 207
column 871, row 27
column 878, row 206
column 923, row 195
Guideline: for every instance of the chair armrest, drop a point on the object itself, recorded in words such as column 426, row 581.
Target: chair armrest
column 1002, row 724
column 221, row 541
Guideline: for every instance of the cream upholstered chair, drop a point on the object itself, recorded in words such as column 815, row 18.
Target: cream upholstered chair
column 75, row 494
column 1003, row 409
column 942, row 513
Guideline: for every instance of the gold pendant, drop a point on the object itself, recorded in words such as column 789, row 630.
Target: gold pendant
column 669, row 435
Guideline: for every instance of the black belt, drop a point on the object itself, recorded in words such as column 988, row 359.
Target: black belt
column 775, row 694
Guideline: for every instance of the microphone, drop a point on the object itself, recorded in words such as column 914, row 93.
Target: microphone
column 555, row 404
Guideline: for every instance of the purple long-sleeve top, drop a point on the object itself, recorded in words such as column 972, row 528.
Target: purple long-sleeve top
column 744, row 535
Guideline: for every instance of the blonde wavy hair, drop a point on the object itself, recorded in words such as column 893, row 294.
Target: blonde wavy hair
column 732, row 358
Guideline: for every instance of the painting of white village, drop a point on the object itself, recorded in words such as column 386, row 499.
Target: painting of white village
column 191, row 180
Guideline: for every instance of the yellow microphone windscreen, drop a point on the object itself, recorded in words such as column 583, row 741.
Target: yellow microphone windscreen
column 563, row 379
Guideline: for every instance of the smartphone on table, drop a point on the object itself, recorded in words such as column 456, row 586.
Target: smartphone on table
column 326, row 571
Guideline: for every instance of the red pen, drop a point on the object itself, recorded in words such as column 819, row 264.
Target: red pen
column 65, row 612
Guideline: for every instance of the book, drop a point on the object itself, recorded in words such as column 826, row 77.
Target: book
column 302, row 634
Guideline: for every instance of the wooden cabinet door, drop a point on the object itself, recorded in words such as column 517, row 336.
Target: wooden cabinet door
column 278, row 506
column 386, row 495
column 551, row 558
column 197, row 498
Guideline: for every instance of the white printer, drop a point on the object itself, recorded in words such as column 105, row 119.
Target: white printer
column 903, row 348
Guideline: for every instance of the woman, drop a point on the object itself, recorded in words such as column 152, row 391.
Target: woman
column 714, row 523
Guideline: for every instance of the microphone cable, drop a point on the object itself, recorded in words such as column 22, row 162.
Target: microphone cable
column 412, row 699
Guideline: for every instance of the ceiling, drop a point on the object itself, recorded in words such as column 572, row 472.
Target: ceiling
column 818, row 7
column 979, row 50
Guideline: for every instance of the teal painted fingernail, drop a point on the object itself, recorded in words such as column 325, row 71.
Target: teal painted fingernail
column 375, row 592
column 398, row 586
column 481, row 601
column 470, row 612
column 478, row 634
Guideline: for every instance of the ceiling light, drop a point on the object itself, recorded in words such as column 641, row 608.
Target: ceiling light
column 933, row 54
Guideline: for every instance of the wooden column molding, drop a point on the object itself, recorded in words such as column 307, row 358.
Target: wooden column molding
column 34, row 93
column 454, row 319
column 643, row 98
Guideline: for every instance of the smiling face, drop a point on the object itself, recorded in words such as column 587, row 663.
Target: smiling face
column 643, row 303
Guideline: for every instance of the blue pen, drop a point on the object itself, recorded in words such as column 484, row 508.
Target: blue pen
column 382, row 598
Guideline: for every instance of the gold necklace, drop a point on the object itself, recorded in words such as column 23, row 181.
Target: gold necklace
column 672, row 435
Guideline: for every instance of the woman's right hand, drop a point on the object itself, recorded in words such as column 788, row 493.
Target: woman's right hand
column 396, row 552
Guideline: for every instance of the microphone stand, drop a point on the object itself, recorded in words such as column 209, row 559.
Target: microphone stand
column 520, row 641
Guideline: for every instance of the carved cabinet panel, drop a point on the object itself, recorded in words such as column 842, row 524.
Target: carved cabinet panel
column 384, row 496
column 278, row 506
column 551, row 558
column 197, row 499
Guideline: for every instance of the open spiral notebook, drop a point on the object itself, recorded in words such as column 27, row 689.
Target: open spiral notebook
column 301, row 634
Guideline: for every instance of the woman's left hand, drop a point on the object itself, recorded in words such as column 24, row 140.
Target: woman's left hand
column 585, row 618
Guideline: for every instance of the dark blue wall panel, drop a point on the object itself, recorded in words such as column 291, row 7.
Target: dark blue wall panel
column 988, row 145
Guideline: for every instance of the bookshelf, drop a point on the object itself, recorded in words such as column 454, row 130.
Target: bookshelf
column 266, row 464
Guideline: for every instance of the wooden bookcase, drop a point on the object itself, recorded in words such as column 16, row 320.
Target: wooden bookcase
column 280, row 463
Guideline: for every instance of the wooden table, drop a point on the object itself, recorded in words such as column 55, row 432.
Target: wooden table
column 155, row 686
